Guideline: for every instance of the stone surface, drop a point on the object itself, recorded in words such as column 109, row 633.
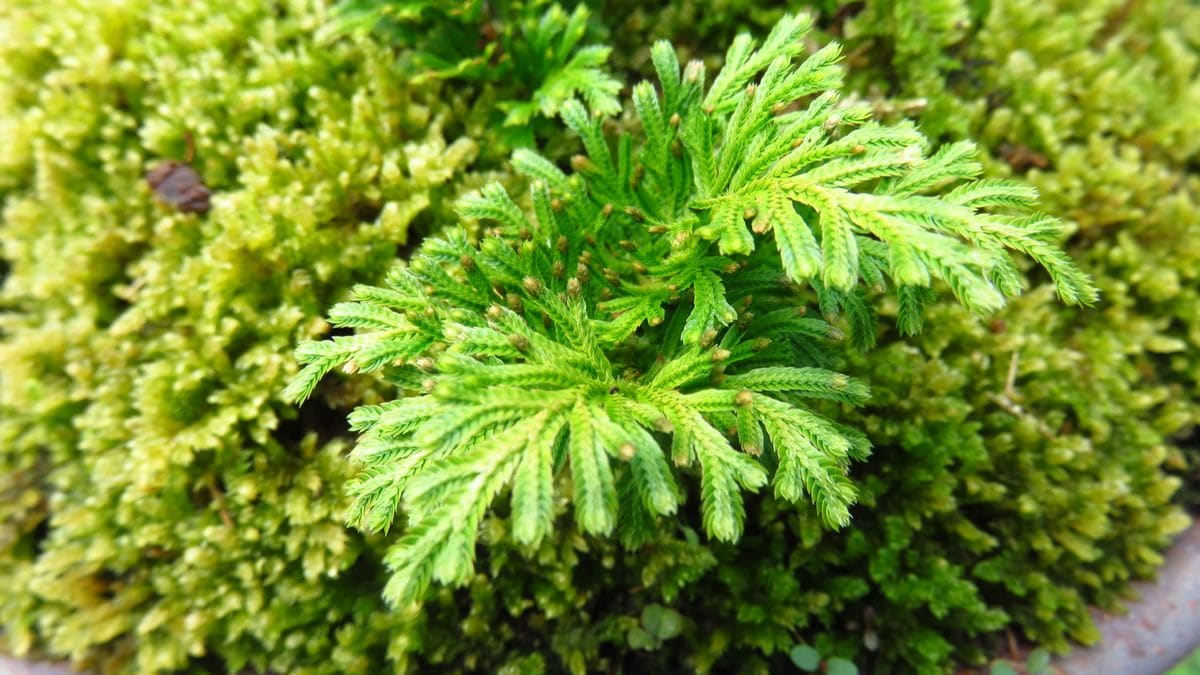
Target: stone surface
column 1159, row 630
column 11, row 666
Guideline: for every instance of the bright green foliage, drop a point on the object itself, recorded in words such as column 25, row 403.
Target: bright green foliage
column 514, row 397
column 793, row 174
column 530, row 49
column 159, row 504
column 527, row 369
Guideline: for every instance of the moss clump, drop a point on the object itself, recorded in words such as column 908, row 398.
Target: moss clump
column 1109, row 95
column 161, row 505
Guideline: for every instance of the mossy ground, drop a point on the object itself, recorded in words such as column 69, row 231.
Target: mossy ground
column 163, row 509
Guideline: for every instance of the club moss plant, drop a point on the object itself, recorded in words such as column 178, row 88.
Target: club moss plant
column 529, row 369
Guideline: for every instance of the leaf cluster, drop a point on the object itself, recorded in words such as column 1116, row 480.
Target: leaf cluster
column 535, row 51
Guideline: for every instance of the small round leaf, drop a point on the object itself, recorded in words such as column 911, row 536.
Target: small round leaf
column 1038, row 661
column 1002, row 668
column 663, row 623
column 840, row 666
column 640, row 639
column 805, row 657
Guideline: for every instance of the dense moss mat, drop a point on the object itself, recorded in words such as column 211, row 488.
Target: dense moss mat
column 162, row 509
column 161, row 504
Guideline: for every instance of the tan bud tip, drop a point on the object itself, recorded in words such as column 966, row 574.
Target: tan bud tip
column 519, row 341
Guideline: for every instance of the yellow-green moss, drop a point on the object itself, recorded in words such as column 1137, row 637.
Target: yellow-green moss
column 161, row 504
